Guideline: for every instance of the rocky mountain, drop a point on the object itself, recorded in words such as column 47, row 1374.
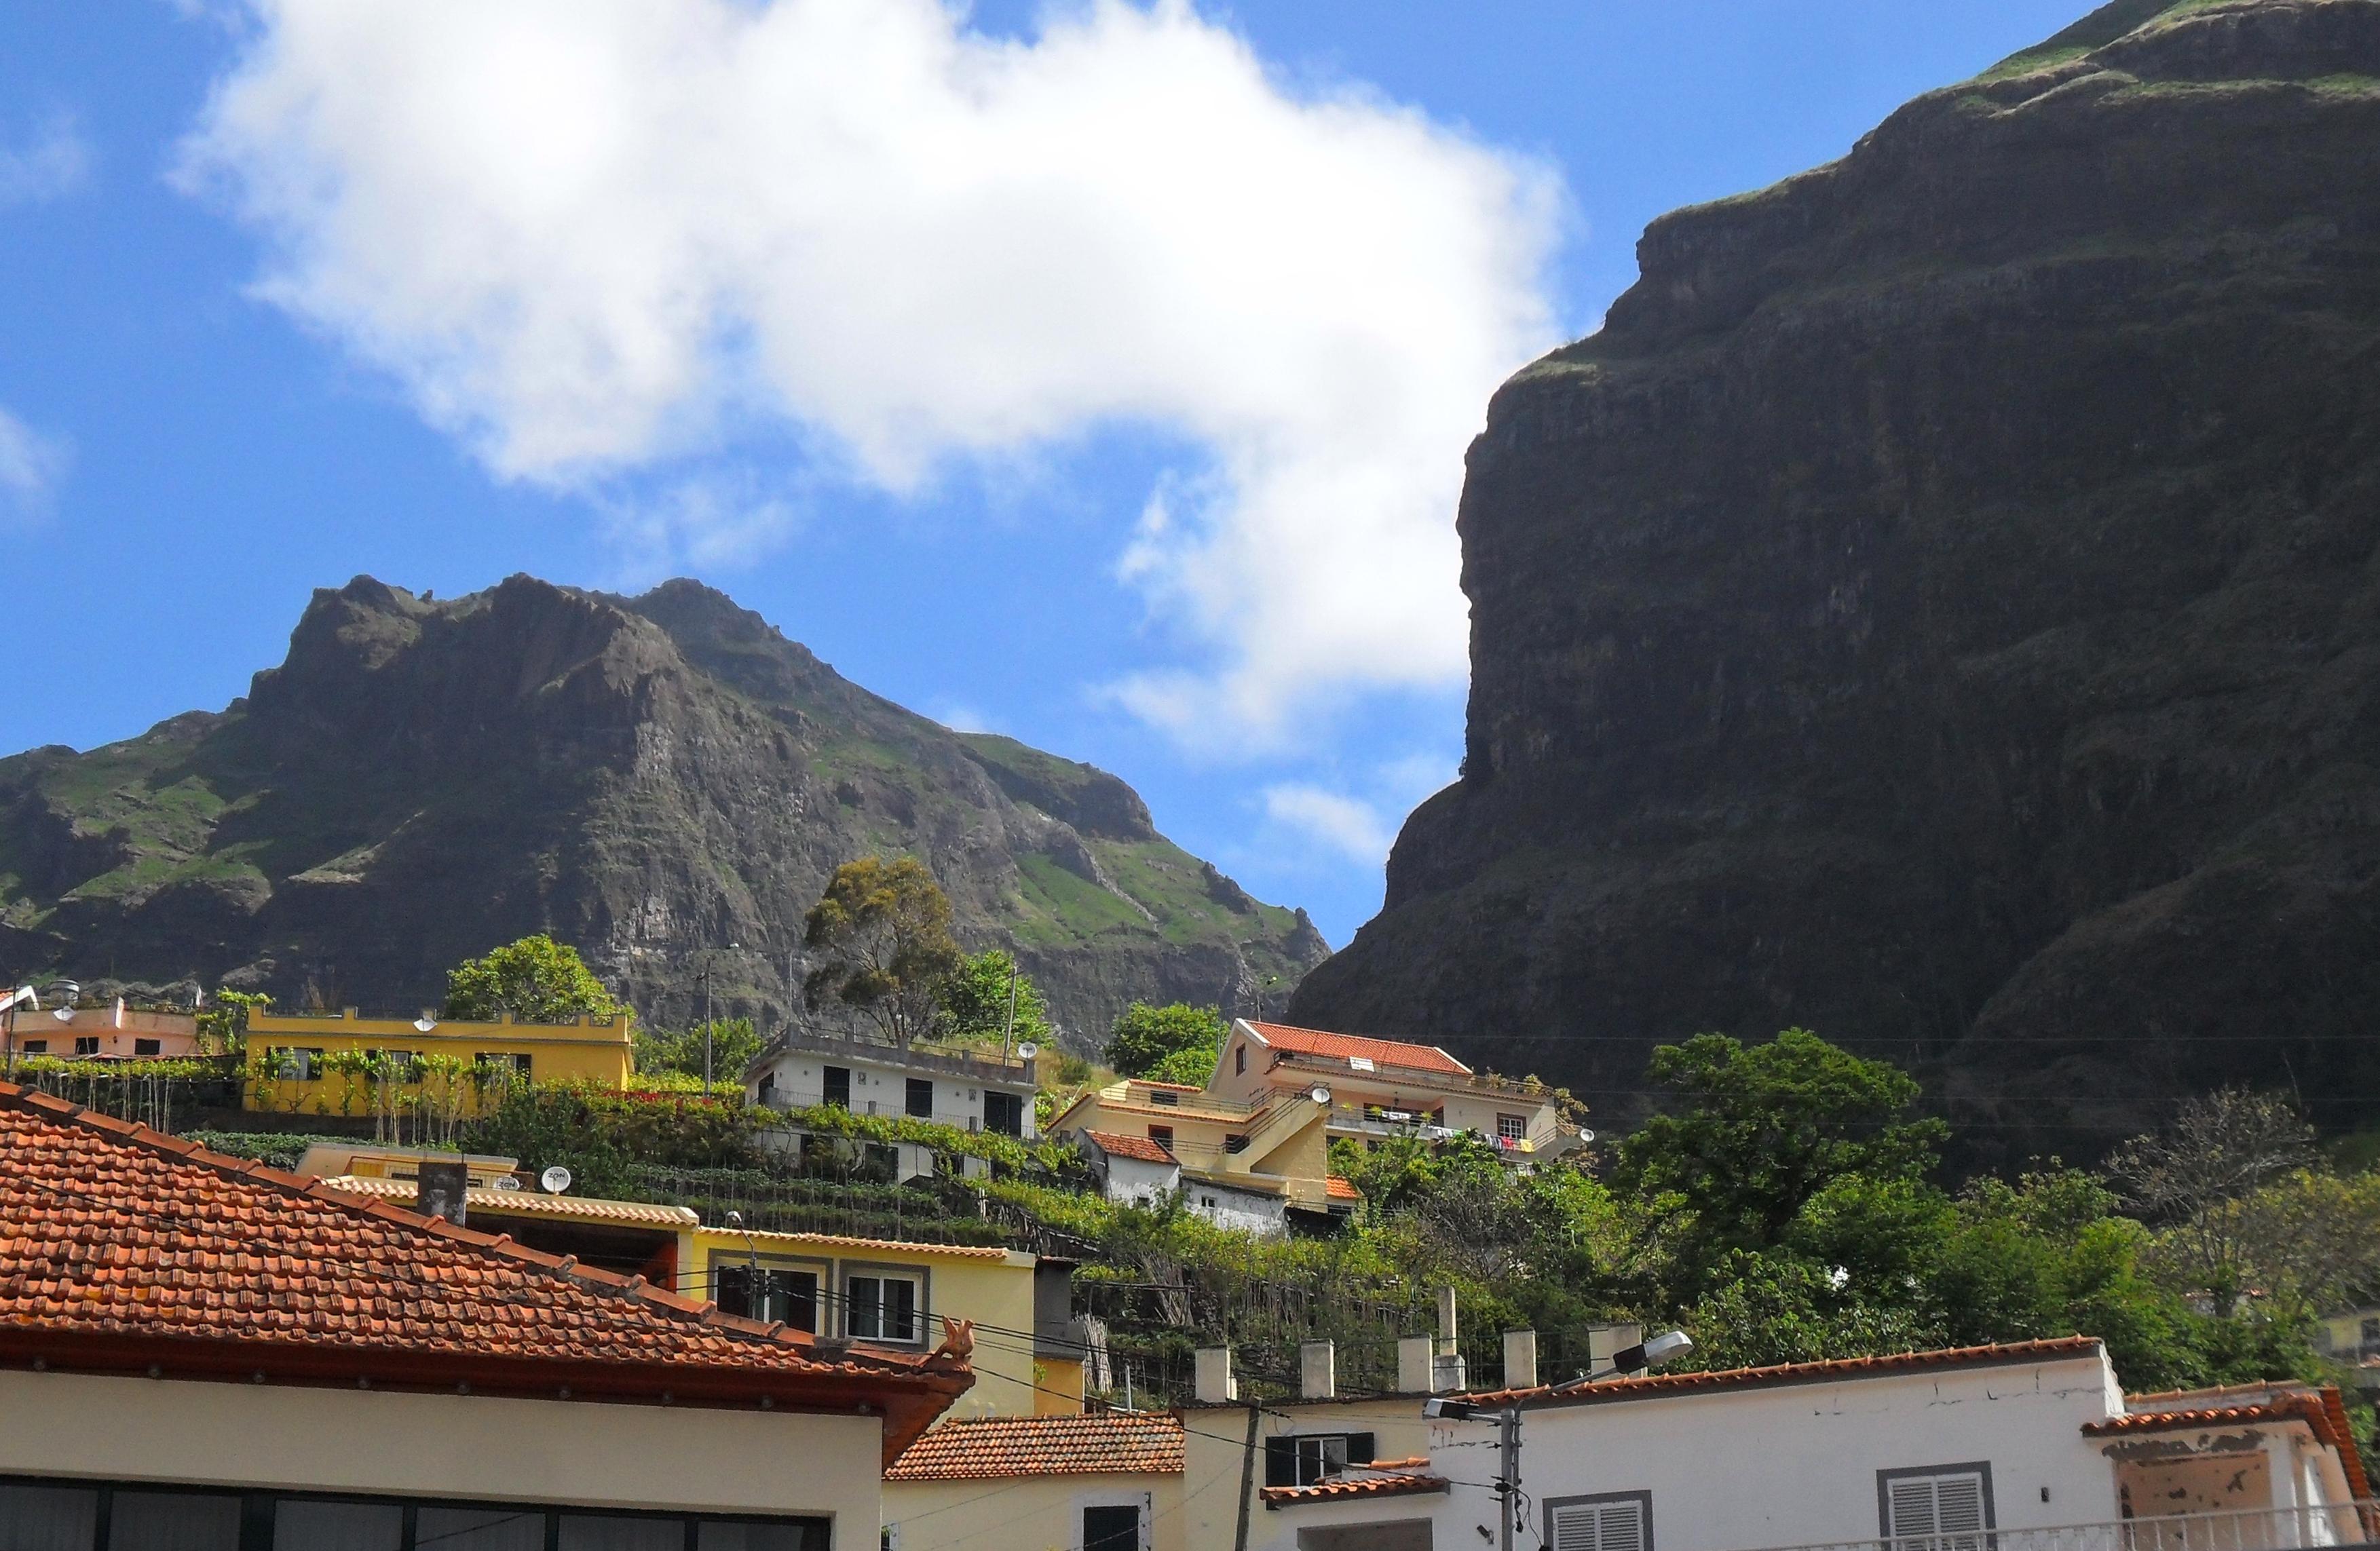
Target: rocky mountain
column 1941, row 608
column 650, row 779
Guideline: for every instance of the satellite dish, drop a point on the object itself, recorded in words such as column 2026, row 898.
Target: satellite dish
column 1028, row 1050
column 1584, row 1134
column 62, row 1014
column 1319, row 1093
column 425, row 1022
column 555, row 1179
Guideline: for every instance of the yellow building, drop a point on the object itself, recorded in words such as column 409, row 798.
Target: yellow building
column 886, row 1293
column 307, row 1063
column 1242, row 1164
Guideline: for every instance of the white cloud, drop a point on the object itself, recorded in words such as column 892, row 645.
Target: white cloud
column 697, row 523
column 55, row 163
column 585, row 234
column 1347, row 825
column 31, row 465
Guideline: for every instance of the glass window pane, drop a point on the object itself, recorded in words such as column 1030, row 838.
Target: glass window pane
column 862, row 1319
column 307, row 1526
column 588, row 1532
column 480, row 1529
column 48, row 1518
column 173, row 1521
column 809, row 1537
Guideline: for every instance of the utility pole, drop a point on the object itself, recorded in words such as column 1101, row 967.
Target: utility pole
column 1508, row 1471
column 1247, row 1479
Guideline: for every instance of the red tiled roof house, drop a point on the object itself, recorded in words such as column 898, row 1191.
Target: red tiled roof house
column 1026, row 1483
column 197, row 1339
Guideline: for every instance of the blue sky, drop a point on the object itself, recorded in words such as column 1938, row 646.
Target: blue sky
column 1110, row 394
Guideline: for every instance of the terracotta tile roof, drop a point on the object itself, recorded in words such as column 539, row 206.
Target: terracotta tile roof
column 1373, row 1484
column 1656, row 1386
column 1388, row 1052
column 2321, row 1411
column 1108, row 1442
column 123, row 1249
column 1139, row 1147
column 1341, row 1189
column 530, row 1202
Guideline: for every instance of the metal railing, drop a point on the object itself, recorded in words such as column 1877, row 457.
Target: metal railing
column 2261, row 1529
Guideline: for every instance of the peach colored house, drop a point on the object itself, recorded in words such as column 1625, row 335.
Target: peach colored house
column 106, row 1033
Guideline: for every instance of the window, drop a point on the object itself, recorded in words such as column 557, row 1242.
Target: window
column 881, row 1308
column 1606, row 1522
column 1234, row 1142
column 86, row 1044
column 921, row 1097
column 1512, row 1128
column 1240, row 1060
column 331, row 1526
column 516, row 1063
column 1003, row 1114
column 289, row 1063
column 2371, row 1332
column 1936, row 1508
column 784, row 1293
column 1303, row 1458
column 148, row 1046
column 1158, row 1096
column 1111, row 1528
column 37, row 1046
column 838, row 1086
column 1163, row 1136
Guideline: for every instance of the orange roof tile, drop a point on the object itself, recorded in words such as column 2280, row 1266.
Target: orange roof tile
column 1389, row 1052
column 1333, row 1489
column 1137, row 1147
column 1656, row 1386
column 1106, row 1442
column 1341, row 1189
column 2321, row 1411
column 124, row 1249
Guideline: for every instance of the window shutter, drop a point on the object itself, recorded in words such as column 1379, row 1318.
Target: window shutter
column 1912, row 1507
column 1281, row 1462
column 1945, row 1512
column 1606, row 1526
column 1359, row 1449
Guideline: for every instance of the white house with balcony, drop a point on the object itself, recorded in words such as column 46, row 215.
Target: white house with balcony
column 966, row 1089
column 1378, row 1088
column 2027, row 1446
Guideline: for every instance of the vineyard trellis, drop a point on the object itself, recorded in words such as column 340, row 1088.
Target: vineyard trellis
column 147, row 1091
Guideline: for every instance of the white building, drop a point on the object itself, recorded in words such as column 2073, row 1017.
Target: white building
column 1135, row 1171
column 970, row 1090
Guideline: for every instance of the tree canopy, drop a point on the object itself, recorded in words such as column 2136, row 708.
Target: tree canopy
column 1176, row 1043
column 734, row 1042
column 883, row 935
column 973, row 1007
column 536, row 979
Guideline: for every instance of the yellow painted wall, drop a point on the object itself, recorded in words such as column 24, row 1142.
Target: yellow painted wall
column 587, row 1051
column 689, row 1459
column 1028, row 1513
column 995, row 1292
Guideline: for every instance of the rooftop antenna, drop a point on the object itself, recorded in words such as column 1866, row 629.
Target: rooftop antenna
column 556, row 1178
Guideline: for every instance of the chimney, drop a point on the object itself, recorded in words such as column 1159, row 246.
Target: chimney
column 1318, row 1370
column 1215, row 1383
column 443, row 1191
column 1520, row 1359
column 1416, row 1355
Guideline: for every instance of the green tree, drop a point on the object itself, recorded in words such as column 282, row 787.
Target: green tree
column 883, row 931
column 535, row 980
column 1146, row 1038
column 734, row 1042
column 222, row 1028
column 973, row 1007
column 1759, row 1130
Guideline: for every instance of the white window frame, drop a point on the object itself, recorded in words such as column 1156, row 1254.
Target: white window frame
column 1596, row 1504
column 1933, row 1538
column 741, row 1260
column 914, row 1274
column 1145, row 1502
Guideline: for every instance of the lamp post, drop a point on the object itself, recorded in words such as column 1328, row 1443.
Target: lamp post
column 1660, row 1348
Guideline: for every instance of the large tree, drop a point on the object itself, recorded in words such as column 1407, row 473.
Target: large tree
column 977, row 999
column 535, row 980
column 1176, row 1043
column 883, row 935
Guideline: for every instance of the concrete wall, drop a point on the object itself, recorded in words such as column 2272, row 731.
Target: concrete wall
column 1030, row 1513
column 292, row 1438
column 1797, row 1464
column 881, row 1088
column 1132, row 1182
column 177, row 1034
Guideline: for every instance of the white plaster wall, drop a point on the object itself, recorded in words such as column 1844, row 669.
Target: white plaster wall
column 1132, row 1182
column 1796, row 1465
column 1242, row 1210
column 685, row 1457
column 1026, row 1513
column 882, row 1089
column 1214, row 1442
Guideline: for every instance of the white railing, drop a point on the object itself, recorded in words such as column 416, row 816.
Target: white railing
column 2263, row 1529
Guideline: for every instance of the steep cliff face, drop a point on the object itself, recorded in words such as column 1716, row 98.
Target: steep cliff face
column 1941, row 608
column 647, row 778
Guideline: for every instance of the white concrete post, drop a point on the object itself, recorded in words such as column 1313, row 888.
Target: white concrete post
column 1215, row 1383
column 1416, row 1356
column 1520, row 1359
column 1318, row 1370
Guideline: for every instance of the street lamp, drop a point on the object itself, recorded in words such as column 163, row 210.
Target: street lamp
column 1507, row 1417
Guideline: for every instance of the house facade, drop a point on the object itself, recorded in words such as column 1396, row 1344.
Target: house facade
column 1380, row 1088
column 968, row 1090
column 204, row 1352
column 1109, row 1482
column 294, row 1066
column 113, row 1032
column 1254, row 1165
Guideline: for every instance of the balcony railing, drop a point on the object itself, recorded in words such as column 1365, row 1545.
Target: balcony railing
column 2262, row 1529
